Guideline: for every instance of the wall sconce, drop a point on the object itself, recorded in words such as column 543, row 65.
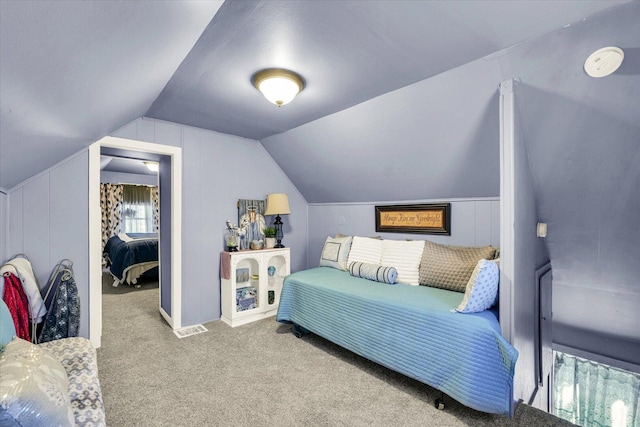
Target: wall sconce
column 278, row 204
column 277, row 85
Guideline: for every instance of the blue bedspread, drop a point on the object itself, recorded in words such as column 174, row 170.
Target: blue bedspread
column 408, row 329
column 123, row 255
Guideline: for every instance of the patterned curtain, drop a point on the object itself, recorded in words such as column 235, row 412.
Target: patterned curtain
column 110, row 204
column 588, row 393
column 155, row 200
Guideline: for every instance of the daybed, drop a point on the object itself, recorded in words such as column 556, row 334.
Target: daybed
column 414, row 330
column 54, row 383
column 129, row 255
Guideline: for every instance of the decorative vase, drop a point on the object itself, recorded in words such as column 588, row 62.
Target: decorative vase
column 269, row 242
column 231, row 240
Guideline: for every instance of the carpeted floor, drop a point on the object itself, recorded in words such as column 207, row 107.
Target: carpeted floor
column 259, row 374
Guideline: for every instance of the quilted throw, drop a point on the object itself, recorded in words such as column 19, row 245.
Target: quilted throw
column 63, row 317
column 409, row 329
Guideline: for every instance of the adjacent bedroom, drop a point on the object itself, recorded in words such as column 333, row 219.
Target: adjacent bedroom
column 129, row 203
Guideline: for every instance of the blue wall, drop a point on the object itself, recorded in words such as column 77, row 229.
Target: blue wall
column 4, row 226
column 581, row 137
column 219, row 169
column 474, row 222
column 48, row 222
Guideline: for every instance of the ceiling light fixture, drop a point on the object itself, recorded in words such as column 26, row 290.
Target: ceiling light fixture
column 604, row 61
column 277, row 85
column 152, row 166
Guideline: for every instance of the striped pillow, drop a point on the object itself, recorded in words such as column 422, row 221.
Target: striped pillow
column 405, row 256
column 376, row 272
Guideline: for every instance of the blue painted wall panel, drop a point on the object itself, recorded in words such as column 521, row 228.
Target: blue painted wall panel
column 358, row 219
column 69, row 225
column 49, row 221
column 15, row 245
column 219, row 169
column 35, row 213
column 4, row 226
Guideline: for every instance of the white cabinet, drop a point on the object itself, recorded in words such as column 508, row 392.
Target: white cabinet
column 252, row 291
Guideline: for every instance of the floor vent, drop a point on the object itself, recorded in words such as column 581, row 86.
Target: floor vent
column 190, row 330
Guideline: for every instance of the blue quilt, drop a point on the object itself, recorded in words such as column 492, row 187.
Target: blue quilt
column 409, row 329
column 123, row 255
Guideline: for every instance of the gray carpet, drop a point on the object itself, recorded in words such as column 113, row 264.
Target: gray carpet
column 257, row 375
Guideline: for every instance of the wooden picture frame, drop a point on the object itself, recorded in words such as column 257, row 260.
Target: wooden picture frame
column 431, row 218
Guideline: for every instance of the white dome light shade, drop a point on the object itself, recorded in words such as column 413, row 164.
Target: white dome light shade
column 604, row 62
column 277, row 85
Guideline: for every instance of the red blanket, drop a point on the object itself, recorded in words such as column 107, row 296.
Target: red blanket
column 18, row 305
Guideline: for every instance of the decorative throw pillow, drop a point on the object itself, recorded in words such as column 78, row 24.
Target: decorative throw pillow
column 405, row 256
column 365, row 249
column 335, row 252
column 34, row 390
column 482, row 288
column 449, row 267
column 376, row 272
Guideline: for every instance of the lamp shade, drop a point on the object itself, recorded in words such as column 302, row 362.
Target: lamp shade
column 277, row 204
column 277, row 85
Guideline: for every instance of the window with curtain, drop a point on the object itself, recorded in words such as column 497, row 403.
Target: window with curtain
column 589, row 393
column 137, row 209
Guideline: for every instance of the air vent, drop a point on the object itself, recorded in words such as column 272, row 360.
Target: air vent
column 190, row 330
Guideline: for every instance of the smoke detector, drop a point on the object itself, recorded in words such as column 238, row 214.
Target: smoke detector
column 604, row 61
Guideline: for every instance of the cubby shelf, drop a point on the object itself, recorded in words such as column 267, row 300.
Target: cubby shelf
column 252, row 291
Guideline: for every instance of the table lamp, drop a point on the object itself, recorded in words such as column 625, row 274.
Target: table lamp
column 278, row 204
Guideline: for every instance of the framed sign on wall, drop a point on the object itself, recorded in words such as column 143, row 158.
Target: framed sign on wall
column 432, row 218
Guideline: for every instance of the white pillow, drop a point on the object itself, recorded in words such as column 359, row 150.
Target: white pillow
column 335, row 252
column 482, row 288
column 365, row 249
column 405, row 256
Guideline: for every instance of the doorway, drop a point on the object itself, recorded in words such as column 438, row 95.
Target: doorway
column 169, row 159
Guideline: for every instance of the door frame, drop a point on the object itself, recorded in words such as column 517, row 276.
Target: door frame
column 174, row 319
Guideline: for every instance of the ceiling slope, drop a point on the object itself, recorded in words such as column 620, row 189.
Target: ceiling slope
column 348, row 52
column 72, row 71
column 439, row 138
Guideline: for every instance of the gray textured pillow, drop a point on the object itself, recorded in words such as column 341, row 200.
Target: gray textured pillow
column 450, row 267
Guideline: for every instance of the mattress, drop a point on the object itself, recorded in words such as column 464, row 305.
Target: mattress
column 409, row 329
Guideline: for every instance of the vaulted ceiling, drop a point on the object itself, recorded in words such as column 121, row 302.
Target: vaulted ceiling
column 72, row 72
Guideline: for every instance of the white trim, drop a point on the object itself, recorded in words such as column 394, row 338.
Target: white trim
column 463, row 199
column 507, row 209
column 95, row 248
column 95, row 301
